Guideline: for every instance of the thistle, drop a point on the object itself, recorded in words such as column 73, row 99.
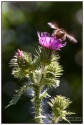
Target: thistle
column 50, row 42
column 59, row 105
column 43, row 69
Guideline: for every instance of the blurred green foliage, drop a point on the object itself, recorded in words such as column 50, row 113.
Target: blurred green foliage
column 20, row 23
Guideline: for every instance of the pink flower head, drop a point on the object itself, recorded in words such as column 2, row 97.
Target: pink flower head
column 19, row 53
column 50, row 42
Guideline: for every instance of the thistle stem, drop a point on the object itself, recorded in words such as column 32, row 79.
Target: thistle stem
column 37, row 105
column 55, row 120
column 37, row 90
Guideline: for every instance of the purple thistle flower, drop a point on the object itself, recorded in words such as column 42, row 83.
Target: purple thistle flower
column 50, row 42
column 19, row 53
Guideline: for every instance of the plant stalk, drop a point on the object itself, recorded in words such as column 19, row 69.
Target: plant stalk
column 37, row 91
column 55, row 120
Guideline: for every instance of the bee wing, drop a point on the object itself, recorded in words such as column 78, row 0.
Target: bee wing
column 53, row 25
column 71, row 38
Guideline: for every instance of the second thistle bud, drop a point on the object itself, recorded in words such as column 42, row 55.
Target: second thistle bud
column 19, row 54
column 59, row 105
column 23, row 59
column 22, row 64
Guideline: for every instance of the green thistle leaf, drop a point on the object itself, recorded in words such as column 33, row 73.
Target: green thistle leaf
column 55, row 69
column 20, row 73
column 44, row 95
column 18, row 95
column 50, row 82
column 51, row 74
column 64, row 118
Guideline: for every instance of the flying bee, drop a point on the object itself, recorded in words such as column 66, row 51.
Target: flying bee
column 60, row 33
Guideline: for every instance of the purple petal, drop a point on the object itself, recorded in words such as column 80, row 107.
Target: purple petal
column 19, row 53
column 50, row 42
column 38, row 33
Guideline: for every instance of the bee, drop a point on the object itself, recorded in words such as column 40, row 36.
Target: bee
column 60, row 33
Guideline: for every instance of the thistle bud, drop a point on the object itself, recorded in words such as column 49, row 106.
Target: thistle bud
column 19, row 53
column 59, row 105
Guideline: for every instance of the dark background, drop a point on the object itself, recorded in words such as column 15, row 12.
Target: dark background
column 20, row 23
